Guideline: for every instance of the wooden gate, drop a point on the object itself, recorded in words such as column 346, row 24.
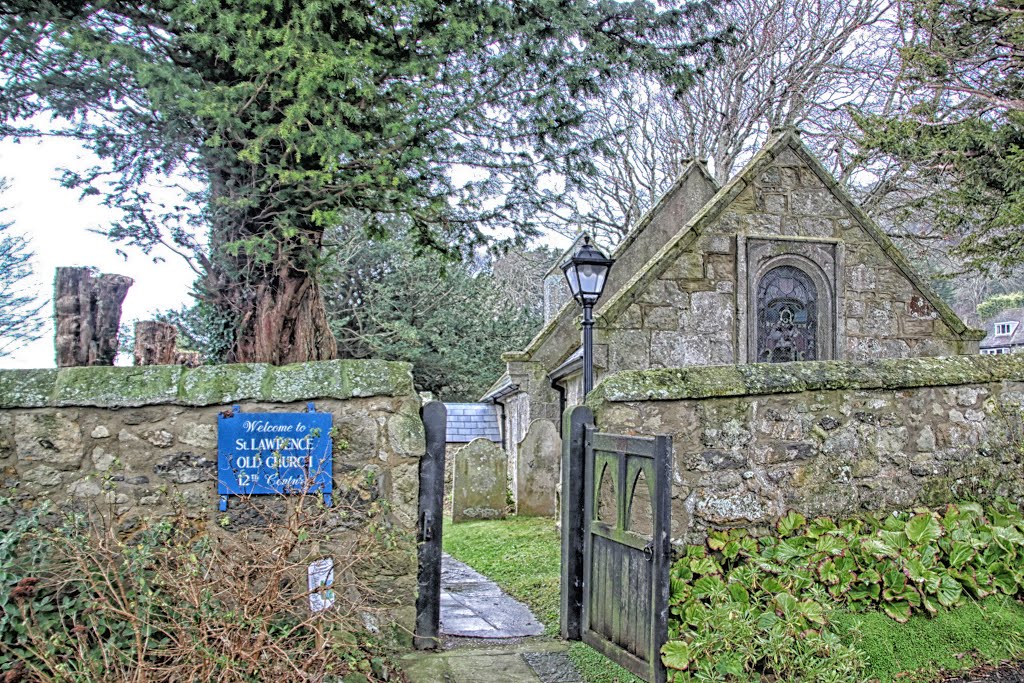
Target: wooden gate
column 626, row 548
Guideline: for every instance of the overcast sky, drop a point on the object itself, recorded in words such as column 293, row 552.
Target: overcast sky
column 58, row 223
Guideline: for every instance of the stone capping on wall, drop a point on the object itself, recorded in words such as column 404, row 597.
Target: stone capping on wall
column 131, row 387
column 780, row 378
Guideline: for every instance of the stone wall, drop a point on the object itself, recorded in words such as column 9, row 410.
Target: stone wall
column 140, row 443
column 825, row 438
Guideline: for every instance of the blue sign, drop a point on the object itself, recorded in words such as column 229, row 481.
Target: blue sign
column 273, row 453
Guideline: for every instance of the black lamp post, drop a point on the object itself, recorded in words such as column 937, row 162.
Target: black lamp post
column 586, row 273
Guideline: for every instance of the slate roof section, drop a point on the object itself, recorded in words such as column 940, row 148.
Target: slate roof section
column 468, row 421
column 1015, row 316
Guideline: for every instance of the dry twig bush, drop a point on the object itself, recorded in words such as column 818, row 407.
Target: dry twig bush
column 181, row 600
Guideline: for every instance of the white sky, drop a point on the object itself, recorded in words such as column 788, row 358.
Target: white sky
column 58, row 223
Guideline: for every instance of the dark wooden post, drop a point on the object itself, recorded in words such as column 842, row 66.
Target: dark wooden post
column 573, row 478
column 87, row 309
column 662, row 558
column 428, row 599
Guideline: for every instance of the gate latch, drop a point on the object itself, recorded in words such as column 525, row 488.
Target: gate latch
column 649, row 551
column 427, row 528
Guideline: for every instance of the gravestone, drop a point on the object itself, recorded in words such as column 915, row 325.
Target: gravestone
column 537, row 470
column 479, row 487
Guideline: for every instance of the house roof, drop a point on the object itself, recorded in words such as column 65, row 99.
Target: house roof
column 469, row 421
column 778, row 143
column 1016, row 336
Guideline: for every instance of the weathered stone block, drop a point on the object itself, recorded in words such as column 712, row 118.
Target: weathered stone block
column 186, row 468
column 689, row 266
column 120, row 387
column 27, row 388
column 479, row 489
column 199, row 435
column 224, row 384
column 54, row 439
column 815, row 202
column 662, row 318
column 102, row 459
column 774, row 202
column 405, row 434
column 670, row 349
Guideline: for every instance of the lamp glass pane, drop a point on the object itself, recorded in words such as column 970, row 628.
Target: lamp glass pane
column 592, row 278
column 572, row 278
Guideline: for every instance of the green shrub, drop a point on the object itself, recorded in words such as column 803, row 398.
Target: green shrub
column 742, row 607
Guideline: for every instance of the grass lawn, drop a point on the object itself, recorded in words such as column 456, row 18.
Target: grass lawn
column 523, row 556
column 988, row 631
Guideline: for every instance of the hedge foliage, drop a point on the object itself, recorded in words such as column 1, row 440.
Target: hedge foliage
column 743, row 607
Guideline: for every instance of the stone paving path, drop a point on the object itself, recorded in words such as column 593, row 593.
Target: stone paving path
column 473, row 606
column 488, row 636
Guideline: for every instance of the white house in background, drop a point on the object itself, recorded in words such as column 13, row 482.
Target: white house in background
column 1005, row 333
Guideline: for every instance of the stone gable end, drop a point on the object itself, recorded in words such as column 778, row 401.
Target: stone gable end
column 704, row 307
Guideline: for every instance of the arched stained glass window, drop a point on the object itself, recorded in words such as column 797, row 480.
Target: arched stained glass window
column 787, row 325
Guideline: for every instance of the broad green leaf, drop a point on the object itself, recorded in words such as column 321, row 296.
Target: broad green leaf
column 961, row 554
column 675, row 654
column 705, row 565
column 739, row 594
column 786, row 604
column 812, row 611
column 949, row 591
column 790, row 523
column 923, row 528
column 898, row 610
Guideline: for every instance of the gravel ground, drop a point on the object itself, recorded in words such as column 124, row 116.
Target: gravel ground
column 1009, row 673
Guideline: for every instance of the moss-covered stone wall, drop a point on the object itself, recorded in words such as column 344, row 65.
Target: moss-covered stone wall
column 140, row 443
column 825, row 438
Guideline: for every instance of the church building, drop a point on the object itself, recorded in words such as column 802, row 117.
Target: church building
column 778, row 265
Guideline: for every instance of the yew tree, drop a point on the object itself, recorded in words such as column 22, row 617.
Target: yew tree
column 462, row 116
column 963, row 131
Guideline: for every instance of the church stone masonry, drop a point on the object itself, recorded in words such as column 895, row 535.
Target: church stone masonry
column 780, row 264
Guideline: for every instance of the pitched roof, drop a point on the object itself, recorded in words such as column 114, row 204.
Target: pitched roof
column 468, row 421
column 1016, row 336
column 775, row 145
column 570, row 308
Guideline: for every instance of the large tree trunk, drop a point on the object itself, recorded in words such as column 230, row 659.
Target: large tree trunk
column 261, row 276
column 87, row 309
column 283, row 321
column 273, row 311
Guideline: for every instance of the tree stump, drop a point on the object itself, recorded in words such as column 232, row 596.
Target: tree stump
column 87, row 309
column 155, row 343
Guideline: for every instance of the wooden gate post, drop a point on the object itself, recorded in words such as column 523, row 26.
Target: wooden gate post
column 428, row 598
column 573, row 479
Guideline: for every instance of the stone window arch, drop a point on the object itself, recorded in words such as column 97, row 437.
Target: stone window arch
column 792, row 312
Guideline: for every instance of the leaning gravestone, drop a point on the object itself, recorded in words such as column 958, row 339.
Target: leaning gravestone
column 539, row 457
column 479, row 488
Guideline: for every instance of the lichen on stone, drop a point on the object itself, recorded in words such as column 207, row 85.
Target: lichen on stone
column 117, row 386
column 132, row 387
column 26, row 388
column 223, row 384
column 762, row 379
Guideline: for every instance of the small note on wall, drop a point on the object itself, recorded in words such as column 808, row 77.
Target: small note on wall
column 321, row 580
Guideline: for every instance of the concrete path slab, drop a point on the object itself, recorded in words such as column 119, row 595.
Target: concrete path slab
column 472, row 606
column 528, row 662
